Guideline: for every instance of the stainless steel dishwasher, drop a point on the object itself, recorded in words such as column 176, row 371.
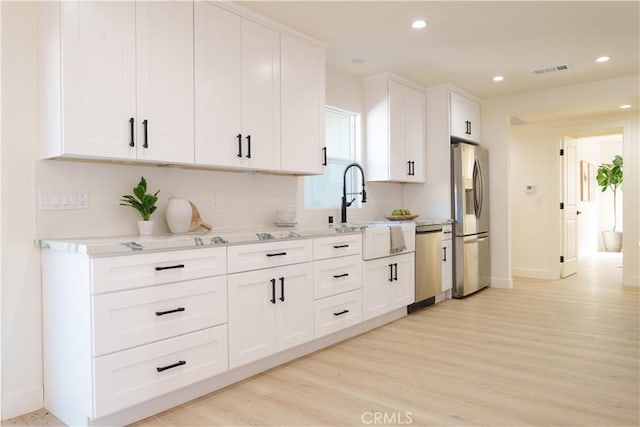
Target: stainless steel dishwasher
column 428, row 265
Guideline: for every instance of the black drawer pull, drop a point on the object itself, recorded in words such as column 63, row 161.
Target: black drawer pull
column 340, row 246
column 277, row 254
column 340, row 313
column 337, row 276
column 175, row 310
column 170, row 267
column 175, row 365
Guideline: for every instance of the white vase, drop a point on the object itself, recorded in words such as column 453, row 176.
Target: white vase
column 178, row 214
column 145, row 228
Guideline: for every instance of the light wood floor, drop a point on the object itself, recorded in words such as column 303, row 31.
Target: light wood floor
column 553, row 353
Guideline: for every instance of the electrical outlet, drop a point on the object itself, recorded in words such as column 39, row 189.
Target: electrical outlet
column 82, row 200
column 213, row 201
column 291, row 202
column 51, row 200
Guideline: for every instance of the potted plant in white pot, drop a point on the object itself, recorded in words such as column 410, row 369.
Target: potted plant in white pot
column 144, row 203
column 610, row 177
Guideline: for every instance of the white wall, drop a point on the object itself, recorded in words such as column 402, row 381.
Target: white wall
column 496, row 113
column 241, row 200
column 588, row 150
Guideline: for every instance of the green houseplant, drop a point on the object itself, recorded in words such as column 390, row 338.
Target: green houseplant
column 610, row 177
column 144, row 203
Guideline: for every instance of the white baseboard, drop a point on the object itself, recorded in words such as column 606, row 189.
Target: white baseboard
column 21, row 402
column 501, row 283
column 534, row 273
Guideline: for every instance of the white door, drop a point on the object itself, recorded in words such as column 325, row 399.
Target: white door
column 164, row 39
column 99, row 74
column 260, row 96
column 416, row 135
column 399, row 166
column 303, row 83
column 571, row 181
column 403, row 285
column 294, row 306
column 252, row 304
column 376, row 287
column 218, row 83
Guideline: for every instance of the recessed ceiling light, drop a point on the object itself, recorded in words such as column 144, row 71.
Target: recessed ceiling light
column 498, row 78
column 603, row 59
column 625, row 106
column 358, row 61
column 419, row 24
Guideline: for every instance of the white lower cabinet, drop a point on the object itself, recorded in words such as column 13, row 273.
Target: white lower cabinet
column 388, row 283
column 447, row 258
column 128, row 377
column 269, row 311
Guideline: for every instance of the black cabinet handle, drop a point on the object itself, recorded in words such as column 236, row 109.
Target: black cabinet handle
column 409, row 167
column 391, row 272
column 170, row 267
column 337, row 276
column 175, row 365
column 282, row 289
column 340, row 246
column 340, row 313
column 444, row 251
column 277, row 254
column 175, row 310
column 324, row 156
column 239, row 144
column 273, row 291
column 248, row 146
column 395, row 275
column 132, row 142
column 145, row 122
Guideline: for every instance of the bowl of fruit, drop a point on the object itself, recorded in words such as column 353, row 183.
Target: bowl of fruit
column 401, row 215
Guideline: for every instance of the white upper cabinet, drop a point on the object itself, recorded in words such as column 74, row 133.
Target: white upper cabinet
column 164, row 40
column 395, row 123
column 303, row 93
column 106, row 68
column 465, row 118
column 98, row 78
column 237, row 90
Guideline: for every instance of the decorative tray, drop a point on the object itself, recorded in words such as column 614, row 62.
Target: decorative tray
column 401, row 217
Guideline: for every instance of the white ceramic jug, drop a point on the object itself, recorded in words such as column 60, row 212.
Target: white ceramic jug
column 178, row 214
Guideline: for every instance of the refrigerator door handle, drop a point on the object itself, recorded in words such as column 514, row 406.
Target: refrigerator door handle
column 475, row 240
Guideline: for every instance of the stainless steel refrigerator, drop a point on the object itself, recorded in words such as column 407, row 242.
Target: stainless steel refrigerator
column 470, row 203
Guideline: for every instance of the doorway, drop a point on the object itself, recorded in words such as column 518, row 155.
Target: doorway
column 587, row 210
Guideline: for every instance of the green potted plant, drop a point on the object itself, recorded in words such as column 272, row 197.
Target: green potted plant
column 144, row 203
column 610, row 177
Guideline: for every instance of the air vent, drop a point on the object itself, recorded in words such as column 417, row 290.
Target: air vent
column 551, row 69
column 516, row 121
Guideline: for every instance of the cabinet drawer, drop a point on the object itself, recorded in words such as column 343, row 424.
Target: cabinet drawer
column 135, row 271
column 338, row 312
column 335, row 276
column 131, row 318
column 332, row 247
column 129, row 377
column 266, row 255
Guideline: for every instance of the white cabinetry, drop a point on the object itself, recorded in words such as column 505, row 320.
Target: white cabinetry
column 117, row 80
column 270, row 309
column 388, row 283
column 447, row 258
column 303, row 86
column 237, row 87
column 465, row 117
column 395, row 123
column 121, row 330
column 337, row 283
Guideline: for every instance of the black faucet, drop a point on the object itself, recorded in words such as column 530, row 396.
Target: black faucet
column 345, row 205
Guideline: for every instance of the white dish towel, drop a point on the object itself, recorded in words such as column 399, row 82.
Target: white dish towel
column 397, row 239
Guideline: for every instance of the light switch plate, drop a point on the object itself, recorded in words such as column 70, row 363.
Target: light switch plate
column 53, row 200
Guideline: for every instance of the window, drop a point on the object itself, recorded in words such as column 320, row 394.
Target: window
column 342, row 142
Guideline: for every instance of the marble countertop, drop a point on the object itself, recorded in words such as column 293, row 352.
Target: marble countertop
column 121, row 245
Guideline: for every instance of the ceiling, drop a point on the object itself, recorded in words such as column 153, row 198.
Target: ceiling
column 467, row 43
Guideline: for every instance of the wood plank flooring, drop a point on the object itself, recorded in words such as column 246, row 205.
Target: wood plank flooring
column 546, row 353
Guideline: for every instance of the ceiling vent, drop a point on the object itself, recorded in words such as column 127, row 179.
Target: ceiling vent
column 517, row 121
column 552, row 69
